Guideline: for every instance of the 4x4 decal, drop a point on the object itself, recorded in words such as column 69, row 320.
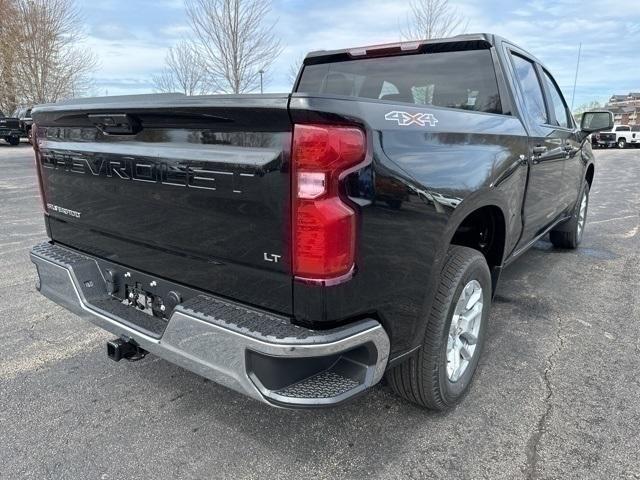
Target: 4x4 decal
column 405, row 119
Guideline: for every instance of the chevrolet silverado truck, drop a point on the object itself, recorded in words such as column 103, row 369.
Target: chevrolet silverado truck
column 298, row 247
column 10, row 130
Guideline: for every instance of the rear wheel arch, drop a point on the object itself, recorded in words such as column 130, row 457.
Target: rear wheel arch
column 480, row 203
column 483, row 229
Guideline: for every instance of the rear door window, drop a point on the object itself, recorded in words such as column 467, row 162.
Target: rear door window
column 464, row 80
column 557, row 102
column 531, row 89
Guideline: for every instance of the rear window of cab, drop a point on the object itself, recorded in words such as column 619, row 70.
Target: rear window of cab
column 464, row 80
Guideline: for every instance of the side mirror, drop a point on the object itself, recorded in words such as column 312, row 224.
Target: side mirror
column 596, row 121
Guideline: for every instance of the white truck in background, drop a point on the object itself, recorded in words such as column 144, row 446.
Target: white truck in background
column 619, row 135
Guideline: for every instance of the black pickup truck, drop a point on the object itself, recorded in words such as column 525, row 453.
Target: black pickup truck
column 23, row 114
column 297, row 247
column 10, row 130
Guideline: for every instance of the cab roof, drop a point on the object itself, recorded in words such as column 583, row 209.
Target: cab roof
column 472, row 41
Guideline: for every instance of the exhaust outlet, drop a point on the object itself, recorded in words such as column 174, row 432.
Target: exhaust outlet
column 119, row 348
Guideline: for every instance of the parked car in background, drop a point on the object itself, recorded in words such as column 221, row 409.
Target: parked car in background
column 10, row 129
column 23, row 114
column 619, row 135
column 603, row 140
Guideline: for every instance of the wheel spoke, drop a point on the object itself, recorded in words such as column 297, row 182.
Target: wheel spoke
column 468, row 320
column 455, row 321
column 474, row 298
column 463, row 332
column 466, row 353
column 455, row 360
column 469, row 338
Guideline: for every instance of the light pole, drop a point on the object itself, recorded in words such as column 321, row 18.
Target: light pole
column 261, row 72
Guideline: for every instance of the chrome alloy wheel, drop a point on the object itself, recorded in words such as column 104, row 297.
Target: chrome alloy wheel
column 464, row 330
column 582, row 215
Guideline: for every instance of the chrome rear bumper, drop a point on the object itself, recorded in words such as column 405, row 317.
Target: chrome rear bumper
column 253, row 352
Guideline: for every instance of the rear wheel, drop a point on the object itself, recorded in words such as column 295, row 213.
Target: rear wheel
column 569, row 234
column 439, row 374
column 13, row 140
column 622, row 143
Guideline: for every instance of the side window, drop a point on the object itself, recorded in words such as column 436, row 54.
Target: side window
column 422, row 95
column 388, row 89
column 531, row 90
column 557, row 101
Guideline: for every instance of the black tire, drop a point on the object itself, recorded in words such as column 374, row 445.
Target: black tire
column 13, row 141
column 622, row 144
column 569, row 234
column 423, row 378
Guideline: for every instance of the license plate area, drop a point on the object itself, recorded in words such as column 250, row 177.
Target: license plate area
column 135, row 296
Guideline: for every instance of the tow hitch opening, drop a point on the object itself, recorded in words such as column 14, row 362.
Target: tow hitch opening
column 120, row 348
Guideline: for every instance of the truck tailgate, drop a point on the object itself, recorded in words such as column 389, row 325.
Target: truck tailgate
column 9, row 123
column 193, row 189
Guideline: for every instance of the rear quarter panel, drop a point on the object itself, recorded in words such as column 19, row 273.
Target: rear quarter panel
column 420, row 185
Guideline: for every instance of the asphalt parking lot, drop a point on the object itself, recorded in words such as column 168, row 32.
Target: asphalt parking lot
column 557, row 393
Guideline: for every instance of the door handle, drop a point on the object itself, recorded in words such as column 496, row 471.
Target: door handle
column 540, row 150
column 568, row 148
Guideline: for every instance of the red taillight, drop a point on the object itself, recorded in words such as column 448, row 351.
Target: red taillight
column 324, row 225
column 36, row 150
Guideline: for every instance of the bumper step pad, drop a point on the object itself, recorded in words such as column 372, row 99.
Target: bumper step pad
column 258, row 324
column 327, row 384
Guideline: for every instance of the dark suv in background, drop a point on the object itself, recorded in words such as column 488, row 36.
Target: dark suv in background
column 23, row 114
column 9, row 130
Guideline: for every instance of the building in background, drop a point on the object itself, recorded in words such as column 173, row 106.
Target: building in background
column 625, row 108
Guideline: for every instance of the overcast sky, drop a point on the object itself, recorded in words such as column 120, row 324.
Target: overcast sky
column 130, row 37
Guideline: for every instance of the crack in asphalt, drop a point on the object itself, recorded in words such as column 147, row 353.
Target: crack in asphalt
column 533, row 444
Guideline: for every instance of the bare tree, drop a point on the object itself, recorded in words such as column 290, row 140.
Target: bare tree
column 433, row 19
column 585, row 107
column 184, row 72
column 233, row 41
column 41, row 57
column 294, row 70
column 8, row 57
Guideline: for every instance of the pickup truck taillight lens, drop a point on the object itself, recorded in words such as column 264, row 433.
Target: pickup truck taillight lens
column 324, row 224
